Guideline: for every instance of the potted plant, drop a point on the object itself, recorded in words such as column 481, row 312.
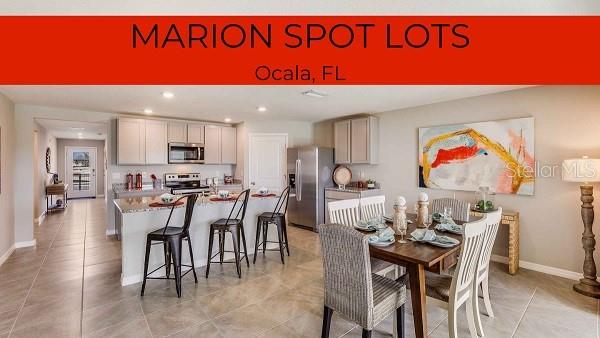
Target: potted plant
column 370, row 184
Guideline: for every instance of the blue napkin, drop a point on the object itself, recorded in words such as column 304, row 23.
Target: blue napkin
column 373, row 224
column 436, row 216
column 450, row 227
column 424, row 235
column 385, row 235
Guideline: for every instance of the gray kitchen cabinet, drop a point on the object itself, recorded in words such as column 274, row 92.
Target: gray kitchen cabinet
column 220, row 145
column 356, row 141
column 131, row 141
column 341, row 135
column 228, row 145
column 178, row 132
column 156, row 142
column 212, row 144
column 195, row 133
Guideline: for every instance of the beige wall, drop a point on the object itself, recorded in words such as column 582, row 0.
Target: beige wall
column 100, row 169
column 7, row 159
column 567, row 121
column 42, row 141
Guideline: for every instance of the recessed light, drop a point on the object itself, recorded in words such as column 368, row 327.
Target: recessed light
column 168, row 95
column 227, row 120
column 147, row 111
column 77, row 128
column 314, row 93
column 79, row 134
column 261, row 109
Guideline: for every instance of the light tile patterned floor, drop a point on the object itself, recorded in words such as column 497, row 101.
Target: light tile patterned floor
column 68, row 286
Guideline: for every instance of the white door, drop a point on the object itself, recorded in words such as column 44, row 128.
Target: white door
column 80, row 169
column 267, row 161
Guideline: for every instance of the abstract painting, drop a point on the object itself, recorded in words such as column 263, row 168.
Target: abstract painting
column 494, row 154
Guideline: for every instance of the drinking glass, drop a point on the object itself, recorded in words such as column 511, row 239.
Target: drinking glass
column 428, row 221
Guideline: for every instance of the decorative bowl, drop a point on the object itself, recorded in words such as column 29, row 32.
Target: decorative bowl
column 223, row 194
column 167, row 198
column 263, row 191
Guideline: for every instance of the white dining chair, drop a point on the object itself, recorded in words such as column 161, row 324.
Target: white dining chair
column 460, row 209
column 492, row 221
column 372, row 207
column 347, row 212
column 454, row 291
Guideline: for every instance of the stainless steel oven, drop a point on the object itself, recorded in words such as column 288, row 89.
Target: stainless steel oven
column 186, row 153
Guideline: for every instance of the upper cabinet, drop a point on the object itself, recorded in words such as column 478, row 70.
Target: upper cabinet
column 357, row 140
column 212, row 144
column 195, row 133
column 131, row 141
column 228, row 145
column 178, row 132
column 156, row 142
column 341, row 134
column 220, row 145
column 146, row 141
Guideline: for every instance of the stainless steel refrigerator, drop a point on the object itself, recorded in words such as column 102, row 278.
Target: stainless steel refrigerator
column 310, row 170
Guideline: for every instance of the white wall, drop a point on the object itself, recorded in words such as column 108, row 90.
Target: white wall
column 299, row 133
column 567, row 121
column 7, row 176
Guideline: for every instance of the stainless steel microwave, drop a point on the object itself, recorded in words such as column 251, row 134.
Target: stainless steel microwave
column 186, row 153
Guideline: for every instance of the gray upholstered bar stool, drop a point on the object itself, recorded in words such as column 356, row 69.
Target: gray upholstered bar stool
column 350, row 287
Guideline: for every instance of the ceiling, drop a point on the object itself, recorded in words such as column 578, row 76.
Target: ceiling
column 74, row 129
column 240, row 103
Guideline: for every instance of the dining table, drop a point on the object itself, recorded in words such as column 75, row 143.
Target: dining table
column 418, row 257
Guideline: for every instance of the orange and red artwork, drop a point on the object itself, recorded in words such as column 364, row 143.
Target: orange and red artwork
column 496, row 154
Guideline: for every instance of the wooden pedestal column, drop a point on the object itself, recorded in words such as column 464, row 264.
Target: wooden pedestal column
column 588, row 285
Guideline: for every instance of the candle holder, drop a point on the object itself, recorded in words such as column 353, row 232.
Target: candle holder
column 422, row 213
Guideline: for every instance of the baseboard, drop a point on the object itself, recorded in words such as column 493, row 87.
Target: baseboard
column 541, row 268
column 40, row 219
column 7, row 254
column 111, row 232
column 100, row 196
column 25, row 244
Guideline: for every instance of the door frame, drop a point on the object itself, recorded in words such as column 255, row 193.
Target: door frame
column 95, row 150
column 250, row 136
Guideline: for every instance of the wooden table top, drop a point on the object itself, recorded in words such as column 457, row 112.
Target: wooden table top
column 415, row 252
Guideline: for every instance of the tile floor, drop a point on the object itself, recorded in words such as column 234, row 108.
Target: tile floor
column 68, row 286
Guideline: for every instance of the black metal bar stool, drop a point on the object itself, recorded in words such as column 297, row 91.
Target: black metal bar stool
column 235, row 226
column 171, row 238
column 278, row 218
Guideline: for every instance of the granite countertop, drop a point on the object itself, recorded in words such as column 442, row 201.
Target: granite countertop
column 119, row 188
column 142, row 204
column 352, row 189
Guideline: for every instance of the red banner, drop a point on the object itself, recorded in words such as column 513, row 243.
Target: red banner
column 300, row 50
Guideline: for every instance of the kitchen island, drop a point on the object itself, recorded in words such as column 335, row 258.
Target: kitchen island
column 136, row 219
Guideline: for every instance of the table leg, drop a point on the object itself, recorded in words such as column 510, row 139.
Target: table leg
column 416, row 273
column 513, row 246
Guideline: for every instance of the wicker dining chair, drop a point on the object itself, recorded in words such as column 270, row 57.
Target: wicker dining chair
column 350, row 287
column 347, row 212
column 453, row 291
column 460, row 209
column 492, row 221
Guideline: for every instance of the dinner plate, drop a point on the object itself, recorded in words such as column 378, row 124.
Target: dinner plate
column 435, row 243
column 390, row 219
column 382, row 243
column 449, row 231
